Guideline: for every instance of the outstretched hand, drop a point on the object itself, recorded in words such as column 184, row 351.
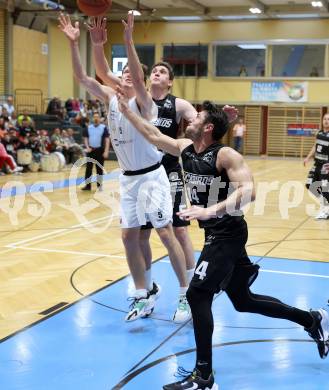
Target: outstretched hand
column 128, row 26
column 98, row 32
column 195, row 212
column 65, row 24
column 122, row 99
column 231, row 112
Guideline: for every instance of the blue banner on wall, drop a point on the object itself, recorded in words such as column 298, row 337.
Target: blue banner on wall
column 279, row 91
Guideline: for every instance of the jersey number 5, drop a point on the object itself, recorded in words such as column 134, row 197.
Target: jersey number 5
column 202, row 269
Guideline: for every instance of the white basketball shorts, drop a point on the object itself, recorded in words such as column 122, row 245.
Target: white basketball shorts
column 145, row 198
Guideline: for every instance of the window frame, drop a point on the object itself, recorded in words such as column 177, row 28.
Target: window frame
column 208, row 70
column 268, row 58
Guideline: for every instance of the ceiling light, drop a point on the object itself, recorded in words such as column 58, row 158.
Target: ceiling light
column 251, row 46
column 317, row 4
column 297, row 16
column 181, row 18
column 236, row 17
column 135, row 12
column 255, row 10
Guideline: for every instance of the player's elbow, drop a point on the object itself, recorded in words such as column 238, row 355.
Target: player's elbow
column 81, row 77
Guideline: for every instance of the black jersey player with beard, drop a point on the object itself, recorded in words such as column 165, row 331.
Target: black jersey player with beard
column 220, row 184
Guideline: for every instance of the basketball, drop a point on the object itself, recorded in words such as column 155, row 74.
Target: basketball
column 94, row 7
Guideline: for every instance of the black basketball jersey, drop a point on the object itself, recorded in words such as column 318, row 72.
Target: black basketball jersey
column 322, row 148
column 206, row 186
column 166, row 123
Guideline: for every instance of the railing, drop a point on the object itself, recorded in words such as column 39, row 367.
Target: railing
column 30, row 100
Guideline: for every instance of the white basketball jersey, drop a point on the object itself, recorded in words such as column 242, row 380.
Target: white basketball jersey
column 133, row 151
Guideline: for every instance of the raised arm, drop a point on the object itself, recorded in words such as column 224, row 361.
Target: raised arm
column 149, row 131
column 98, row 36
column 73, row 33
column 185, row 110
column 143, row 97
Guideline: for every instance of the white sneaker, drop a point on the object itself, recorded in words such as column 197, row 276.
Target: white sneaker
column 323, row 214
column 183, row 311
column 17, row 170
column 140, row 307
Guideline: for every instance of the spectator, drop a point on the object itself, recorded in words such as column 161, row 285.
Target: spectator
column 75, row 106
column 10, row 142
column 45, row 144
column 239, row 131
column 55, row 107
column 35, row 146
column 243, row 71
column 13, row 119
column 75, row 151
column 82, row 120
column 25, row 129
column 5, row 115
column 25, row 117
column 8, row 161
column 56, row 140
column 9, row 106
column 314, row 72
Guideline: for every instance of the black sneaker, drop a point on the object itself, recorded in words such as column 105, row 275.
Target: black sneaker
column 155, row 292
column 252, row 273
column 193, row 382
column 86, row 188
column 320, row 331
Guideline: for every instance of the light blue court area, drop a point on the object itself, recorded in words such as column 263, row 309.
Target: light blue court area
column 88, row 346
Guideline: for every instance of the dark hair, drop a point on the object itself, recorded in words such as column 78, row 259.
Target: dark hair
column 166, row 65
column 217, row 117
column 144, row 68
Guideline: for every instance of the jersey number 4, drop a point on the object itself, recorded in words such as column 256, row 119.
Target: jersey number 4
column 202, row 269
column 193, row 194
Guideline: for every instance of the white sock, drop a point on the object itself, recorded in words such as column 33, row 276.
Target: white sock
column 182, row 290
column 148, row 279
column 189, row 273
column 141, row 293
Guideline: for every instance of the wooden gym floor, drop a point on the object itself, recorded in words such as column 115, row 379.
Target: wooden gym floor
column 45, row 243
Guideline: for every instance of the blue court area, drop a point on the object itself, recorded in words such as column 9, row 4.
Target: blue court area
column 89, row 346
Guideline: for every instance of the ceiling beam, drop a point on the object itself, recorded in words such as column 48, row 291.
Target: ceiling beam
column 126, row 3
column 195, row 6
column 129, row 4
column 326, row 5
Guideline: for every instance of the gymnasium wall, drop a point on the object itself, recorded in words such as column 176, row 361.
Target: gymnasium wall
column 61, row 79
column 30, row 65
column 225, row 90
column 2, row 51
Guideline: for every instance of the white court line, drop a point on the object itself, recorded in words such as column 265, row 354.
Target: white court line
column 68, row 252
column 55, row 233
column 279, row 272
column 295, row 273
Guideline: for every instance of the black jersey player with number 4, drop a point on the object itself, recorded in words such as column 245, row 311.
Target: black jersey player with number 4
column 220, row 184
